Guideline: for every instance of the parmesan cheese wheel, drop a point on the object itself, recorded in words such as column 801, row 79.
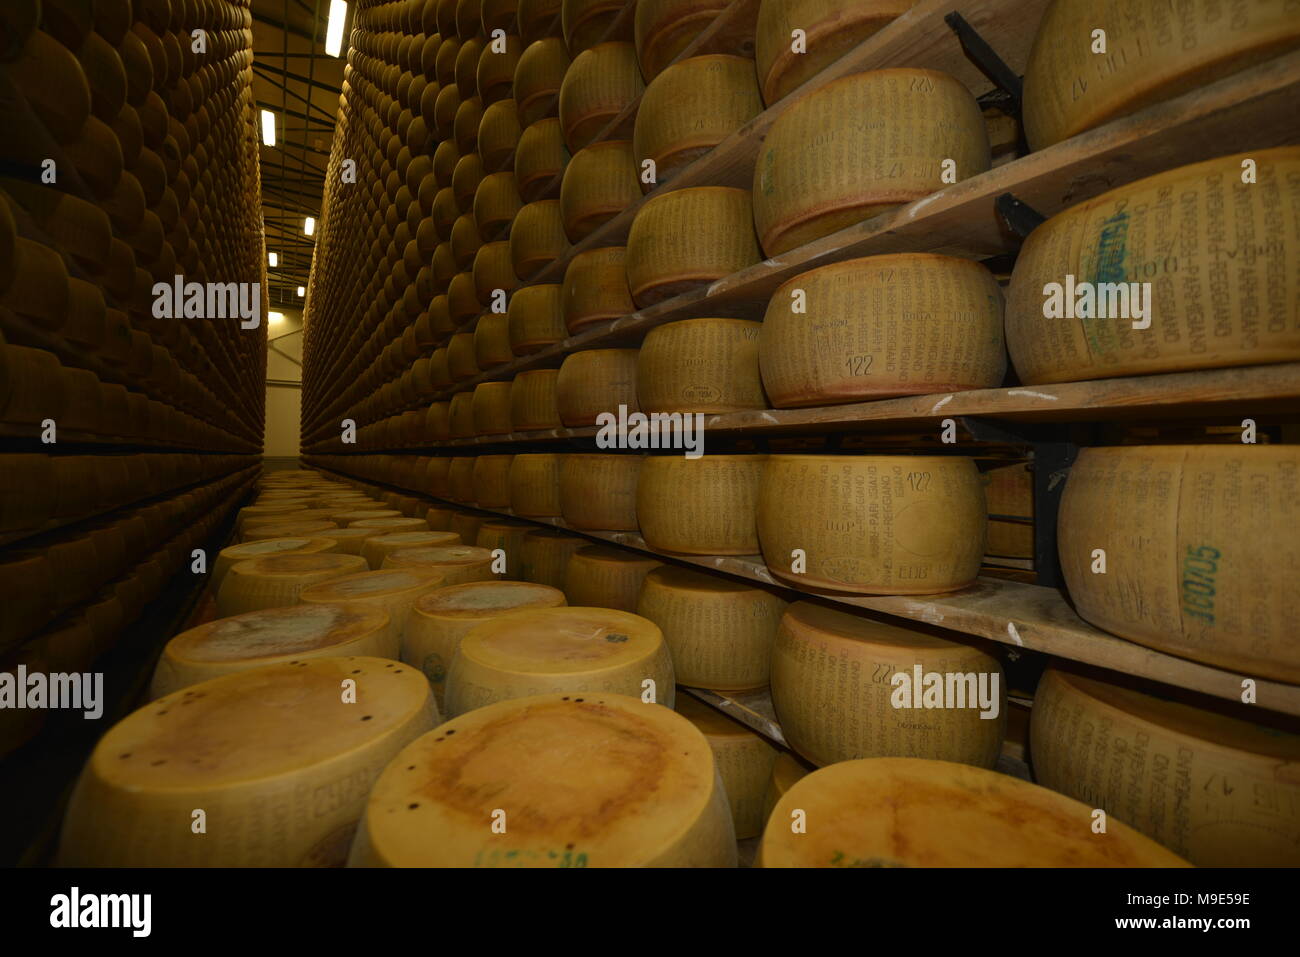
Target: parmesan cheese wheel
column 460, row 357
column 1151, row 56
column 540, row 158
column 587, row 22
column 441, row 618
column 831, row 29
column 599, row 183
column 1200, row 544
column 496, row 204
column 439, row 519
column 538, row 78
column 388, row 525
column 491, row 408
column 463, row 306
column 719, row 631
column 595, row 288
column 494, row 275
column 599, row 781
column 270, row 636
column 600, row 84
column 688, row 238
column 491, row 348
column 546, row 555
column 537, row 237
column 496, row 68
column 703, row 506
column 820, row 170
column 1204, row 309
column 466, row 525
column 392, row 589
column 508, row 537
column 602, row 577
column 492, row 480
column 786, row 770
column 744, row 760
column 536, row 318
column 568, row 649
column 375, row 549
column 690, row 108
column 910, row 812
column 595, row 382
column 599, row 491
column 498, row 135
column 456, row 563
column 462, row 426
column 1211, row 787
column 879, row 677
column 873, row 524
column 532, row 401
column 535, row 485
column 460, row 479
column 273, row 546
column 347, row 517
column 261, row 533
column 906, row 324
column 701, row 365
column 665, row 28
column 273, row 581
column 287, row 736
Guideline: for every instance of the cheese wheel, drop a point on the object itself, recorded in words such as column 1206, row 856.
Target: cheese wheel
column 600, row 84
column 744, row 760
column 599, row 576
column 570, row 649
column 445, row 158
column 441, row 618
column 387, row 525
column 595, row 288
column 719, row 631
column 820, row 171
column 665, row 28
column 583, row 781
column 702, row 506
column 462, row 427
column 596, row 382
column 465, row 126
column 538, row 78
column 586, row 22
column 701, row 365
column 910, row 812
column 491, row 348
column 496, row 204
column 688, row 238
column 690, row 108
column 392, row 589
column 279, row 736
column 439, row 519
column 872, row 524
column 272, row 546
column 598, row 491
column 535, row 485
column 1211, row 787
column 496, row 69
column 536, row 318
column 299, row 515
column 261, row 533
column 879, row 677
column 1200, row 544
column 466, row 525
column 492, row 480
column 375, row 549
column 1204, row 309
column 537, row 237
column 599, row 183
column 498, row 135
column 456, row 563
column 347, row 517
column 786, row 770
column 508, row 537
column 538, row 18
column 273, row 581
column 1149, row 58
column 494, row 276
column 532, row 401
column 464, row 307
column 460, row 479
column 465, row 180
column 905, row 324
column 540, row 158
column 831, row 29
column 270, row 636
column 460, row 357
column 491, row 408
column 546, row 555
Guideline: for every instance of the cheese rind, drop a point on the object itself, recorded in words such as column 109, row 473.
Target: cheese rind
column 704, row 506
column 744, row 760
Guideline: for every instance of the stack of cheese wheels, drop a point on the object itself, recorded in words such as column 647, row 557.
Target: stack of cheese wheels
column 598, row 491
column 276, row 580
column 597, row 780
column 491, row 477
column 570, row 649
column 1009, row 495
column 602, row 577
column 1071, row 312
column 665, row 28
column 689, row 109
column 441, row 618
column 275, row 736
column 456, row 563
column 872, row 524
column 507, row 538
column 587, row 22
column 596, row 382
column 540, row 158
column 466, row 525
column 600, row 84
column 599, row 183
column 532, row 401
column 701, row 365
column 535, row 318
column 392, row 589
column 537, row 237
column 719, row 631
column 1210, row 786
column 1189, row 549
column 910, row 812
column 898, row 692
column 819, row 170
column 233, row 554
column 546, row 553
column 688, row 238
column 744, row 760
column 904, row 324
column 538, row 77
column 595, row 288
column 786, row 770
column 702, row 506
column 831, row 28
column 271, row 636
column 1148, row 59
column 535, row 485
column 375, row 550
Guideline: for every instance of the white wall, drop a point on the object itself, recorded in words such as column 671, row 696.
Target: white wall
column 284, row 397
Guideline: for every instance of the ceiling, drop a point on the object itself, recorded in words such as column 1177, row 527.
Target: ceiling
column 297, row 81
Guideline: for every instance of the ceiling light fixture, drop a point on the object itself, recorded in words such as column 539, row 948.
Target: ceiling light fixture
column 275, row 318
column 273, row 259
column 309, row 225
column 334, row 30
column 268, row 128
column 302, row 291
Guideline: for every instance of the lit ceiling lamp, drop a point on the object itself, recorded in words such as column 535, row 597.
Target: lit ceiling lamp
column 275, row 318
column 273, row 259
column 334, row 31
column 302, row 291
column 309, row 225
column 268, row 128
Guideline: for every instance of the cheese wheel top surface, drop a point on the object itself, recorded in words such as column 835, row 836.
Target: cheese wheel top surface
column 275, row 632
column 451, row 555
column 372, row 584
column 479, row 599
column 562, row 640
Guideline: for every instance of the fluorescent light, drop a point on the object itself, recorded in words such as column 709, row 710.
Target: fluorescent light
column 309, row 225
column 274, row 259
column 268, row 128
column 302, row 291
column 275, row 318
column 334, row 31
